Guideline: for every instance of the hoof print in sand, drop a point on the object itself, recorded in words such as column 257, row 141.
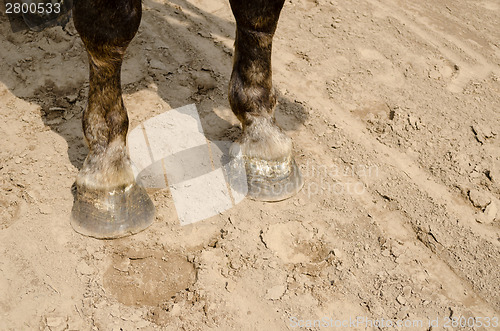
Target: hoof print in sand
column 148, row 278
column 293, row 243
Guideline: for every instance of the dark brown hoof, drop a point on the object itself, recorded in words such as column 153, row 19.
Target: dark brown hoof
column 272, row 180
column 112, row 214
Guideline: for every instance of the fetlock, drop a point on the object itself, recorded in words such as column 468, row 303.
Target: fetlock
column 263, row 140
column 108, row 170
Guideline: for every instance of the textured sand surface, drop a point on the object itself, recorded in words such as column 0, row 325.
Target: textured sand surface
column 394, row 110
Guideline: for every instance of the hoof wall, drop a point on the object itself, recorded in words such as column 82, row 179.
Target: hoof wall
column 112, row 214
column 272, row 181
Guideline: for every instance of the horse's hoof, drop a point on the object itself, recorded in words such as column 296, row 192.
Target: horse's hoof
column 112, row 214
column 272, row 180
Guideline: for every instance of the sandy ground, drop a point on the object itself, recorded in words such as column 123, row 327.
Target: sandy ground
column 394, row 109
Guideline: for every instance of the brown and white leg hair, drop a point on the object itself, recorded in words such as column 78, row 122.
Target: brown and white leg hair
column 108, row 203
column 267, row 151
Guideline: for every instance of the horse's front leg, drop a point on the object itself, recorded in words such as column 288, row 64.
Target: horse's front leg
column 109, row 203
column 272, row 173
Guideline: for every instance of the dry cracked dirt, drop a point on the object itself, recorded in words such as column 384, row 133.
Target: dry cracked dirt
column 394, row 110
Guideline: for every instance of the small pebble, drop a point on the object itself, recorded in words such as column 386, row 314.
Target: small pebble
column 176, row 309
column 479, row 199
column 276, row 292
column 490, row 213
column 401, row 300
column 72, row 98
column 84, row 269
column 158, row 65
column 337, row 252
column 407, row 291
